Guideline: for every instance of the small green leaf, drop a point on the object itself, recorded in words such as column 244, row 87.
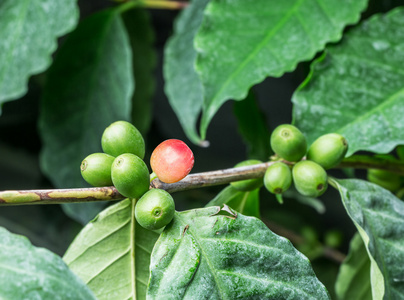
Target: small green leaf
column 89, row 86
column 28, row 272
column 353, row 281
column 211, row 253
column 357, row 89
column 247, row 203
column 112, row 254
column 379, row 217
column 242, row 42
column 253, row 128
column 28, row 36
column 183, row 86
column 141, row 37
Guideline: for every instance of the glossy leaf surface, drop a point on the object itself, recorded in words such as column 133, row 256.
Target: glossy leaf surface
column 241, row 42
column 214, row 254
column 28, row 272
column 112, row 254
column 357, row 89
column 379, row 217
column 28, row 36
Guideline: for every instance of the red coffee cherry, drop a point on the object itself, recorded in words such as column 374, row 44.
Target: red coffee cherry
column 172, row 160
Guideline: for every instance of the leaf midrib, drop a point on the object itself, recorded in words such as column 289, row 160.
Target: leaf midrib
column 258, row 48
column 379, row 107
column 190, row 231
column 132, row 247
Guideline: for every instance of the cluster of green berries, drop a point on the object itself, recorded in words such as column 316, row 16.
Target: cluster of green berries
column 121, row 164
column 308, row 175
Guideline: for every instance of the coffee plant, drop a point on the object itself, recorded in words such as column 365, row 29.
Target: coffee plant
column 116, row 116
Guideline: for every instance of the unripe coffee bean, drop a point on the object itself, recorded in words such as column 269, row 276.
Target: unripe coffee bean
column 288, row 142
column 155, row 209
column 310, row 178
column 278, row 178
column 130, row 175
column 389, row 181
column 96, row 169
column 248, row 184
column 122, row 137
column 328, row 150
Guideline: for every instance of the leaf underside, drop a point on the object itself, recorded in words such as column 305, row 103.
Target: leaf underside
column 211, row 254
column 242, row 42
column 28, row 36
column 183, row 86
column 379, row 218
column 112, row 254
column 28, row 272
column 357, row 89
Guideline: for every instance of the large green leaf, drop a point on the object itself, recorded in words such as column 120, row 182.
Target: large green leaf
column 241, row 42
column 210, row 253
column 28, row 272
column 112, row 254
column 183, row 86
column 28, row 36
column 89, row 86
column 141, row 37
column 379, row 217
column 357, row 89
column 253, row 128
column 353, row 280
column 247, row 203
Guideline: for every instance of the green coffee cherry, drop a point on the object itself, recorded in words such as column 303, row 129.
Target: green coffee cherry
column 288, row 142
column 96, row 169
column 130, row 175
column 278, row 178
column 328, row 150
column 310, row 178
column 155, row 209
column 248, row 184
column 122, row 137
column 385, row 179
